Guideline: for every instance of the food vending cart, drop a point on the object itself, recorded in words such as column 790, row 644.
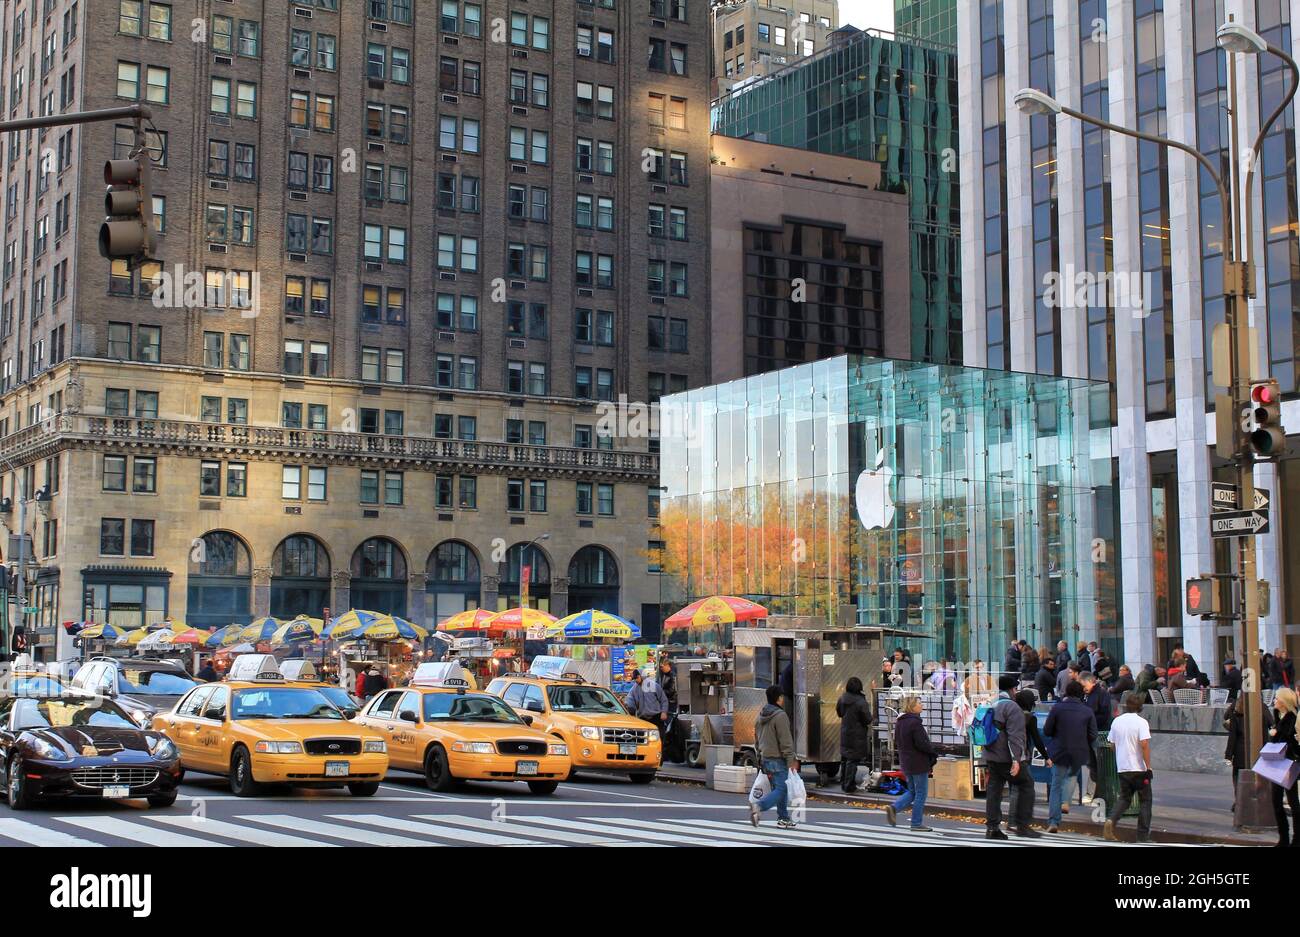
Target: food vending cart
column 821, row 660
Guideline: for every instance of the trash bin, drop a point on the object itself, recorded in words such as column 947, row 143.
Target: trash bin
column 1108, row 777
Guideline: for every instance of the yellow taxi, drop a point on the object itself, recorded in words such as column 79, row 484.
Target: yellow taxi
column 599, row 731
column 442, row 729
column 257, row 728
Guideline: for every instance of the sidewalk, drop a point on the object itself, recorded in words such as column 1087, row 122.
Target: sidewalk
column 1189, row 808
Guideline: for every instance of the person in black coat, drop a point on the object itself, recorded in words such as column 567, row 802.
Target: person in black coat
column 1011, row 662
column 1123, row 683
column 1045, row 680
column 1235, row 753
column 1283, row 730
column 1097, row 698
column 855, row 733
column 1071, row 729
column 1029, row 663
column 1231, row 680
column 1063, row 657
column 916, row 757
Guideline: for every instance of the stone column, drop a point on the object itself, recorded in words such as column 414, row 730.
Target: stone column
column 418, row 607
column 491, row 587
column 261, row 598
column 560, row 597
column 342, row 593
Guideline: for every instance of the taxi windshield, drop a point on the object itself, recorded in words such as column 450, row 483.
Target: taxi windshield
column 46, row 714
column 154, row 682
column 340, row 697
column 584, row 699
column 282, row 703
column 453, row 707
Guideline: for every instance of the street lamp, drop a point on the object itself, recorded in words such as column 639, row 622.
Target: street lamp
column 1238, row 277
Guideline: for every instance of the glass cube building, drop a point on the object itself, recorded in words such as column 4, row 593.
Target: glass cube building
column 969, row 506
column 870, row 97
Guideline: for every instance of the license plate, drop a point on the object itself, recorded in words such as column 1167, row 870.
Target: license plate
column 525, row 767
column 627, row 749
column 117, row 792
column 336, row 769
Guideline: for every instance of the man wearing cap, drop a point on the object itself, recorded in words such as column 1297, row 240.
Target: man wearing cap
column 1008, row 763
column 647, row 700
column 1231, row 680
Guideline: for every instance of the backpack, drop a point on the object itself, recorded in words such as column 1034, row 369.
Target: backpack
column 984, row 731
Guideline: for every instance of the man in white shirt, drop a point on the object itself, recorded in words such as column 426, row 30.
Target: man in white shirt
column 1131, row 736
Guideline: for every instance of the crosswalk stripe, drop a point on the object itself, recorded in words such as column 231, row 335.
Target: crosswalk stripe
column 246, row 834
column 1055, row 839
column 582, row 839
column 433, row 829
column 137, row 833
column 873, row 835
column 564, row 823
column 31, row 834
column 353, row 834
column 769, row 836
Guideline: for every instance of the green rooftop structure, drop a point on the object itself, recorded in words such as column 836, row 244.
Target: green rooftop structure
column 927, row 20
column 873, row 97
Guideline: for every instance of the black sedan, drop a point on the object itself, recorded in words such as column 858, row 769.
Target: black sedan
column 82, row 747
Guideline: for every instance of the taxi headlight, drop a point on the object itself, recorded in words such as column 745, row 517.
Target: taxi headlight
column 653, row 736
column 375, row 745
column 591, row 732
column 279, row 748
column 474, row 748
column 557, row 748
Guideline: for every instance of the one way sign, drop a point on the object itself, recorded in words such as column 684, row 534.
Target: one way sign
column 1238, row 523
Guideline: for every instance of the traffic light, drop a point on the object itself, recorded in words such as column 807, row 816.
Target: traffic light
column 127, row 231
column 1203, row 597
column 1263, row 421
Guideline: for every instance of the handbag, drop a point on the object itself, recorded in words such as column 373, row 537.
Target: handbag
column 1276, row 767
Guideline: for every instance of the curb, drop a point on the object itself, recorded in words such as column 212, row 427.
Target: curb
column 963, row 811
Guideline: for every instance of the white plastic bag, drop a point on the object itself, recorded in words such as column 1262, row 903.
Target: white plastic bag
column 762, row 787
column 796, row 793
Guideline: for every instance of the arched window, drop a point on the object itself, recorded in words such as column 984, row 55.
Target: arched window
column 300, row 577
column 539, row 579
column 220, row 580
column 593, row 580
column 379, row 577
column 453, row 579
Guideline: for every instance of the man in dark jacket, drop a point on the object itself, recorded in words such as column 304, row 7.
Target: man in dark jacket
column 1071, row 731
column 208, row 673
column 855, row 733
column 1097, row 698
column 1231, row 680
column 1008, row 763
column 775, row 745
column 1011, row 663
column 1063, row 657
column 668, row 683
column 1045, row 680
column 916, row 757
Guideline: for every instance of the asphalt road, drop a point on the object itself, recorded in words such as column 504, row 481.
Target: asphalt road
column 592, row 811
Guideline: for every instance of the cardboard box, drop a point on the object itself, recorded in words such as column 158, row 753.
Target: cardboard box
column 952, row 780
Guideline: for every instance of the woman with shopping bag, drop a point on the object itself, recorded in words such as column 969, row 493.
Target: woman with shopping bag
column 1279, row 761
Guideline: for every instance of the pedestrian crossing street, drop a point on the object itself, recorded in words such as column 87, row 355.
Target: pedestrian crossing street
column 448, row 829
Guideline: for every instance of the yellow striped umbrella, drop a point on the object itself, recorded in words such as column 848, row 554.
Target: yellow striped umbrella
column 520, row 619
column 298, row 630
column 260, row 629
column 132, row 638
column 474, row 619
column 387, row 628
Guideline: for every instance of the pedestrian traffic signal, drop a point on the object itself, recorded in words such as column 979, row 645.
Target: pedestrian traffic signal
column 1263, row 421
column 1203, row 597
column 127, row 231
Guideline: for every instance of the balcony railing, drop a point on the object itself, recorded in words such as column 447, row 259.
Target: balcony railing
column 309, row 444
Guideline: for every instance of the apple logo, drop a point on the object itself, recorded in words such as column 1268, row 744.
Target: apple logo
column 875, row 505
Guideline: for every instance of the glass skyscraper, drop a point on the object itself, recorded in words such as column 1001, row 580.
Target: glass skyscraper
column 872, row 97
column 930, row 20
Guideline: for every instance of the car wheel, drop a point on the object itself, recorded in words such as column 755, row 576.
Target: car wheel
column 693, row 756
column 748, row 759
column 20, row 795
column 363, row 788
column 543, row 787
column 241, row 774
column 437, row 773
column 162, row 799
column 644, row 777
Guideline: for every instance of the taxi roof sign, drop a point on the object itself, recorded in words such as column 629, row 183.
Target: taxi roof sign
column 255, row 667
column 549, row 667
column 298, row 669
column 446, row 673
